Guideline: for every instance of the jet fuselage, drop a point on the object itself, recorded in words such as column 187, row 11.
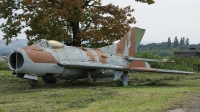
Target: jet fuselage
column 42, row 59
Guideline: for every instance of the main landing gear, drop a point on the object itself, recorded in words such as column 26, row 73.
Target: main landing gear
column 49, row 80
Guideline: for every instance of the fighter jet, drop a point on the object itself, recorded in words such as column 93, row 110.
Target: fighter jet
column 51, row 59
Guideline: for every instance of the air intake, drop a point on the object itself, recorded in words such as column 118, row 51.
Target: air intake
column 16, row 61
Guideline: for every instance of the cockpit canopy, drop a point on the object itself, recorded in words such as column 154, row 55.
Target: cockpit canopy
column 55, row 44
column 50, row 43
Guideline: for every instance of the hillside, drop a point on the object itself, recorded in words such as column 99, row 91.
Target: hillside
column 4, row 49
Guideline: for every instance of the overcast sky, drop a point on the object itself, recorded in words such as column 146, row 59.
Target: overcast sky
column 165, row 18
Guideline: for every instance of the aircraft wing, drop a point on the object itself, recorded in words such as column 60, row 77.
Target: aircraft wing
column 95, row 65
column 89, row 65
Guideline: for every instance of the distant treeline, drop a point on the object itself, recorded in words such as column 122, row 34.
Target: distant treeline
column 166, row 49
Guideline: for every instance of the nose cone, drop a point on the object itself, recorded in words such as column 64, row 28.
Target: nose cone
column 16, row 60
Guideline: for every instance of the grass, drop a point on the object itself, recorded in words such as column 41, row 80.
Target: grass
column 146, row 92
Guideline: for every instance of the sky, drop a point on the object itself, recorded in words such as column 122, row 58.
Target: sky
column 165, row 18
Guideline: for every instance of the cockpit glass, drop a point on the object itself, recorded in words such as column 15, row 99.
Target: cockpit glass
column 42, row 43
column 51, row 43
column 37, row 42
column 55, row 44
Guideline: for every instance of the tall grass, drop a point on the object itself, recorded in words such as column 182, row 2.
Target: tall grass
column 147, row 92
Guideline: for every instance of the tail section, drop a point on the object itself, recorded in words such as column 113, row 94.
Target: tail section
column 128, row 45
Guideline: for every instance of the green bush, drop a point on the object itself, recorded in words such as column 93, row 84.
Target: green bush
column 4, row 65
column 186, row 64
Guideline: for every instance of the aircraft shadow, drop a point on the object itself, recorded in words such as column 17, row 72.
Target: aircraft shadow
column 154, row 82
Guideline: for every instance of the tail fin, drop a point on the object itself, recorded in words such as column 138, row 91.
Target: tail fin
column 128, row 45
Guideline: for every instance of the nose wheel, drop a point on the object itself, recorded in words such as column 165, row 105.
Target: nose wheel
column 32, row 82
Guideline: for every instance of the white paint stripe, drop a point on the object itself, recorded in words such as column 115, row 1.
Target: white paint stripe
column 126, row 46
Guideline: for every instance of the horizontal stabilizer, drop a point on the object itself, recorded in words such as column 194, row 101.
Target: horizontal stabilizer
column 159, row 70
column 149, row 60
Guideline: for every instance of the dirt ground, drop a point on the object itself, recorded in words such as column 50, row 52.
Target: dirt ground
column 191, row 104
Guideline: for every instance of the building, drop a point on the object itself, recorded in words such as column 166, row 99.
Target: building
column 192, row 52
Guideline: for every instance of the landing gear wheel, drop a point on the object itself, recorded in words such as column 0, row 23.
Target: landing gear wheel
column 125, row 79
column 32, row 82
column 49, row 80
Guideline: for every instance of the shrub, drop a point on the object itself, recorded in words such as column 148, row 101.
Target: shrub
column 4, row 65
column 186, row 64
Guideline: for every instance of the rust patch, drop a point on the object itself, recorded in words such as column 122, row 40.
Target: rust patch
column 132, row 47
column 101, row 55
column 32, row 47
column 37, row 55
column 138, row 64
column 121, row 45
column 89, row 53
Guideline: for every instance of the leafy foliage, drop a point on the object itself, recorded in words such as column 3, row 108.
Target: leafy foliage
column 187, row 42
column 146, row 1
column 159, row 49
column 186, row 64
column 176, row 42
column 169, row 43
column 182, row 41
column 66, row 20
column 4, row 65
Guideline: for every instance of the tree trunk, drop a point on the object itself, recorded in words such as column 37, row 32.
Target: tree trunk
column 76, row 39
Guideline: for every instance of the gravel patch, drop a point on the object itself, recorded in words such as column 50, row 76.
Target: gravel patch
column 184, row 110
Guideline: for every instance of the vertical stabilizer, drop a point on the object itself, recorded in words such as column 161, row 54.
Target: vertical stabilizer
column 128, row 45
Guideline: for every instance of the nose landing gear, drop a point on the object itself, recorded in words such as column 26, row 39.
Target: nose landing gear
column 32, row 82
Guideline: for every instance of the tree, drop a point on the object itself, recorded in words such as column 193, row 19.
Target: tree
column 65, row 20
column 176, row 42
column 182, row 41
column 169, row 43
column 146, row 1
column 187, row 42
